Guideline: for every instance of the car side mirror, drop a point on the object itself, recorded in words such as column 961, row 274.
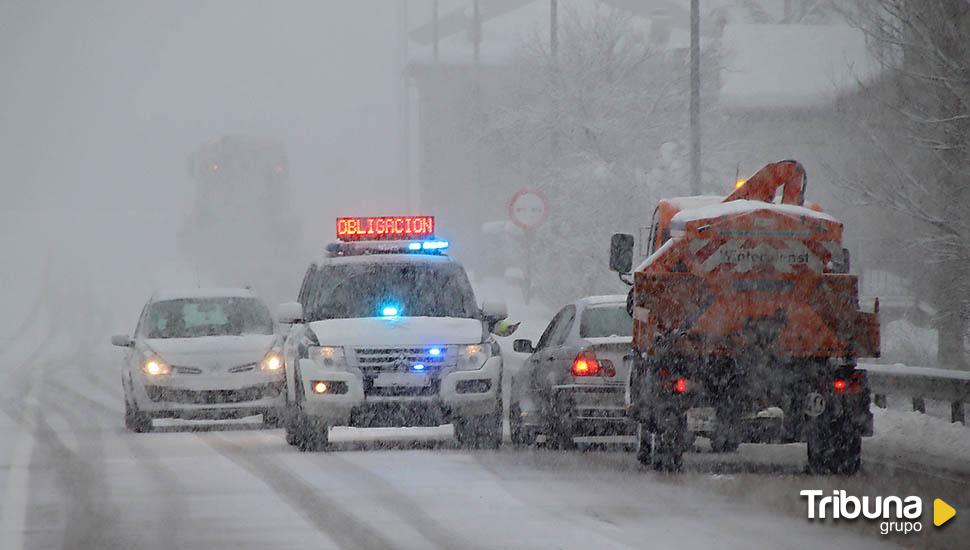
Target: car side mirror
column 621, row 253
column 122, row 341
column 289, row 313
column 522, row 346
column 494, row 312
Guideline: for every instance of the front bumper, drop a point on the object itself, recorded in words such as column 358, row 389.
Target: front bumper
column 208, row 397
column 452, row 394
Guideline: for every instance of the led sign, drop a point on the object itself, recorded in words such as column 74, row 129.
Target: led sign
column 393, row 228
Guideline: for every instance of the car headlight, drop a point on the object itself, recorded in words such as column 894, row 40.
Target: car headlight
column 273, row 362
column 327, row 356
column 154, row 366
column 473, row 356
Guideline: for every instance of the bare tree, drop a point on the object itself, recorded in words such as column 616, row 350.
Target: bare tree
column 599, row 129
column 922, row 140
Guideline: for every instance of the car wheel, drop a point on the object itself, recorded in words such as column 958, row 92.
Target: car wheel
column 521, row 435
column 135, row 420
column 272, row 419
column 479, row 432
column 310, row 434
column 645, row 445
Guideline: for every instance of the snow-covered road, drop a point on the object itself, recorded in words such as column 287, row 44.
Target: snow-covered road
column 72, row 477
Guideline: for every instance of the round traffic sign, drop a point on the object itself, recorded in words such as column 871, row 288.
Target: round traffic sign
column 527, row 209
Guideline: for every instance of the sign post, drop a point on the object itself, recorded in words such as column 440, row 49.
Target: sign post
column 527, row 209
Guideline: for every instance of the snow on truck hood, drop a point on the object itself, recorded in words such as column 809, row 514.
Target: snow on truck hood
column 213, row 351
column 398, row 331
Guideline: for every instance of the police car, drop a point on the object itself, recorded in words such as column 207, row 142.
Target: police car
column 387, row 332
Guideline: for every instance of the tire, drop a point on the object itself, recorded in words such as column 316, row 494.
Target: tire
column 834, row 447
column 645, row 445
column 272, row 420
column 561, row 439
column 520, row 435
column 308, row 434
column 720, row 443
column 479, row 432
column 668, row 443
column 135, row 420
column 290, row 427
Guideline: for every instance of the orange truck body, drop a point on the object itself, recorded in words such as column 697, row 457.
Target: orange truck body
column 745, row 272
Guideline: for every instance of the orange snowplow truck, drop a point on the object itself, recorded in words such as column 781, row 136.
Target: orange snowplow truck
column 745, row 309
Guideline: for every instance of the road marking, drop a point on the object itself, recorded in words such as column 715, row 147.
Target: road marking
column 15, row 500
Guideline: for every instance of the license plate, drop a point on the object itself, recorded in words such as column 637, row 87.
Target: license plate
column 387, row 379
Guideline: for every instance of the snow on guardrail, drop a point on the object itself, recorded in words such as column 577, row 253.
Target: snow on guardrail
column 920, row 383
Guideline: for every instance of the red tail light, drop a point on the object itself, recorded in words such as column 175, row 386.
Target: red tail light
column 586, row 364
column 839, row 385
column 680, row 385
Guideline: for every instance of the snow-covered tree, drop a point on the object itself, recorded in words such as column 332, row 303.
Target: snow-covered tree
column 600, row 129
column 920, row 132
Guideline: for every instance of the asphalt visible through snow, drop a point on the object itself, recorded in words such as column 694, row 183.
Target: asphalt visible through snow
column 71, row 477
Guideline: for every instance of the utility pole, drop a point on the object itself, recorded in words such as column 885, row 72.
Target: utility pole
column 434, row 27
column 554, row 28
column 695, row 97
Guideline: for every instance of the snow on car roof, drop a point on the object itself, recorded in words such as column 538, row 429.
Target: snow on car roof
column 743, row 207
column 188, row 293
column 607, row 299
column 386, row 259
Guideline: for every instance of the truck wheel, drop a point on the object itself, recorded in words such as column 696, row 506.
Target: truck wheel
column 835, row 447
column 645, row 447
column 668, row 448
column 521, row 435
column 310, row 435
column 135, row 420
column 479, row 432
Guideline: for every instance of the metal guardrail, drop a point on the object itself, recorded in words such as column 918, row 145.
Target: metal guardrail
column 920, row 383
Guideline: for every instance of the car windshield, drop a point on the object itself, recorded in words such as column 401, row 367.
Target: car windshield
column 393, row 288
column 195, row 317
column 606, row 321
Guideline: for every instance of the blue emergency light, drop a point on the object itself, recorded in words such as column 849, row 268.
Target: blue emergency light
column 418, row 367
column 434, row 352
column 390, row 311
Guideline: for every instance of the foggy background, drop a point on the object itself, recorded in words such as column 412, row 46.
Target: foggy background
column 102, row 102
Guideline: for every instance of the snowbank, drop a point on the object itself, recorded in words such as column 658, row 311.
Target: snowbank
column 925, row 438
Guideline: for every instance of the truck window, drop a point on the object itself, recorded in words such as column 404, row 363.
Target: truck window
column 653, row 231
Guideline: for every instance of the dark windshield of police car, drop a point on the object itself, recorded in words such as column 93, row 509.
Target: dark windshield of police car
column 412, row 289
column 195, row 317
column 606, row 321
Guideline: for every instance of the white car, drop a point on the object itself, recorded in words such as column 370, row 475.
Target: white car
column 390, row 334
column 202, row 354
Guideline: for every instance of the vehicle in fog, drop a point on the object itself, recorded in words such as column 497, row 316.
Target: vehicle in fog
column 574, row 381
column 202, row 354
column 241, row 211
column 745, row 305
column 387, row 332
